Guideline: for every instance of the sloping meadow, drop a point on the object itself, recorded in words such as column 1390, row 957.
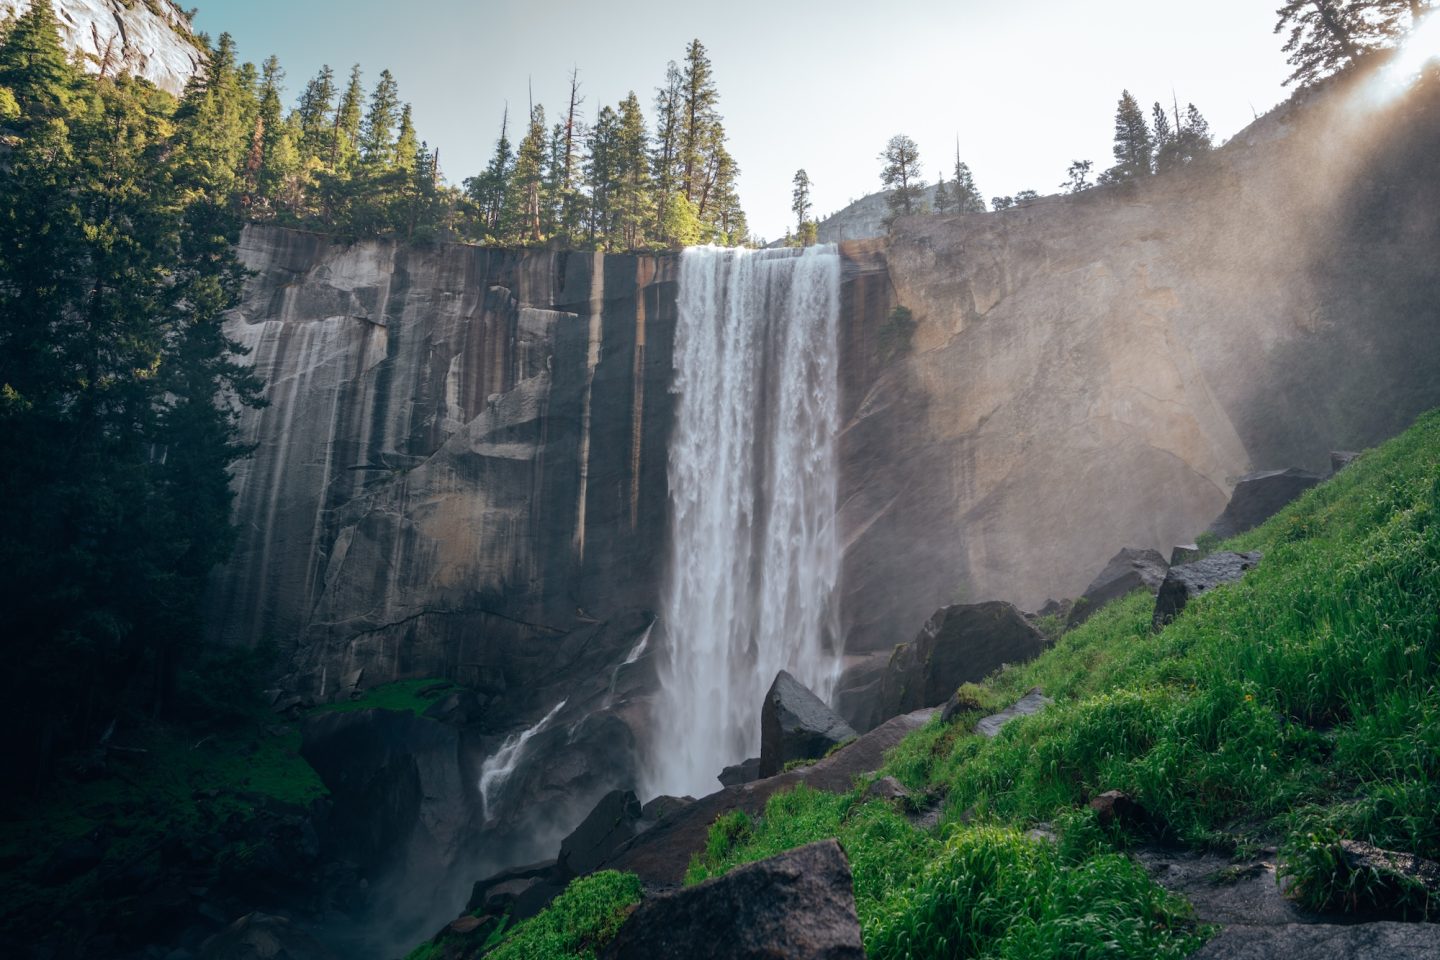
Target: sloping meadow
column 1295, row 708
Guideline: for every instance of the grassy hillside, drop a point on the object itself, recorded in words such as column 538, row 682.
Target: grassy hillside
column 1297, row 707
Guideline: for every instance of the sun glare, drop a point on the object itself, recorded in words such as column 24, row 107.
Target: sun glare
column 1419, row 50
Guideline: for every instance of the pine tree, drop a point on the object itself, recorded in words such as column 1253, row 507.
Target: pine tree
column 942, row 196
column 377, row 132
column 901, row 175
column 632, row 199
column 345, row 138
column 525, row 194
column 1134, row 148
column 486, row 191
column 314, row 113
column 602, row 173
column 697, row 132
column 967, row 197
column 1326, row 35
column 665, row 171
column 1077, row 177
column 567, row 173
column 800, row 199
column 407, row 142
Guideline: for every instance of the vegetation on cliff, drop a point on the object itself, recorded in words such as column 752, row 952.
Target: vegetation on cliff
column 1296, row 708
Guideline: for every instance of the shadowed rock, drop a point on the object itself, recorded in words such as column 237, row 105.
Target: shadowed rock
column 746, row 771
column 1340, row 459
column 799, row 905
column 495, row 893
column 1259, row 496
column 1129, row 570
column 964, row 643
column 1184, row 553
column 604, row 830
column 1294, row 941
column 259, row 936
column 1185, row 583
column 796, row 725
column 660, row 855
column 1033, row 702
column 857, row 693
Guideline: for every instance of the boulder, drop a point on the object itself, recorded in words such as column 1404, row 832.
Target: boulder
column 746, row 771
column 663, row 807
column 796, row 725
column 1185, row 553
column 1259, row 496
column 886, row 788
column 660, row 855
column 259, row 936
column 1129, row 570
column 799, row 905
column 1033, row 702
column 1324, row 941
column 1392, row 868
column 857, row 693
column 504, row 885
column 1114, row 808
column 1340, row 459
column 957, row 704
column 1188, row 581
column 964, row 643
column 613, row 821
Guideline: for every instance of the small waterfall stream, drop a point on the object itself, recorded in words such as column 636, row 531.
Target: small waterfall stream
column 755, row 556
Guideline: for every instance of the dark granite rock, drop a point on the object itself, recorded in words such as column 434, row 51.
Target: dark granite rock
column 1185, row 553
column 1297, row 941
column 1033, row 702
column 799, row 905
column 959, row 644
column 663, row 807
column 957, row 704
column 1392, row 869
column 661, row 854
column 458, row 708
column 746, row 771
column 796, row 725
column 886, row 788
column 1129, row 570
column 1259, row 496
column 1340, row 459
column 508, row 883
column 1188, row 581
column 1114, row 808
column 614, row 820
column 259, row 936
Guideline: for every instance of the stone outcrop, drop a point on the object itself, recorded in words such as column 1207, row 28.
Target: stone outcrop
column 1324, row 941
column 1188, row 581
column 799, row 905
column 1259, row 496
column 1129, row 570
column 796, row 725
column 152, row 40
column 964, row 643
column 615, row 819
column 746, row 771
column 1032, row 703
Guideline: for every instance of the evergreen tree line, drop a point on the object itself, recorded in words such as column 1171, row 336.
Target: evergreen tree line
column 1323, row 37
column 119, row 212
column 614, row 184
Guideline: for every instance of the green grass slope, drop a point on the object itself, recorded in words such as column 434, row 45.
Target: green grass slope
column 1297, row 707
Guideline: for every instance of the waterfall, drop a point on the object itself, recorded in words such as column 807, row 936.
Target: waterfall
column 754, row 555
column 497, row 769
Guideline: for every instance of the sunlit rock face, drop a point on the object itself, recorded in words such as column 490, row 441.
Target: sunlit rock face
column 146, row 38
column 1095, row 372
column 462, row 460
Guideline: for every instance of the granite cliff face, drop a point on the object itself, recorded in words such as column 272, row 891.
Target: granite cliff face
column 147, row 38
column 463, row 459
column 463, row 464
column 1094, row 372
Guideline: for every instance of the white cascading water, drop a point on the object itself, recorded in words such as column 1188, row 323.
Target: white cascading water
column 496, row 770
column 755, row 555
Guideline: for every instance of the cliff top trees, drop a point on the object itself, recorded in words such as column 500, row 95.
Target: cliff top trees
column 806, row 230
column 901, row 175
column 1134, row 147
column 1323, row 36
column 966, row 197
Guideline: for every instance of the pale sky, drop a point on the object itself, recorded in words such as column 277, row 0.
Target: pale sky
column 1027, row 85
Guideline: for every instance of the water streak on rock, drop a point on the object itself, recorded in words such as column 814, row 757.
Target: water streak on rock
column 497, row 769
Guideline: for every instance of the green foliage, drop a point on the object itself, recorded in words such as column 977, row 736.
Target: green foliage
column 580, row 921
column 404, row 696
column 1322, row 880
